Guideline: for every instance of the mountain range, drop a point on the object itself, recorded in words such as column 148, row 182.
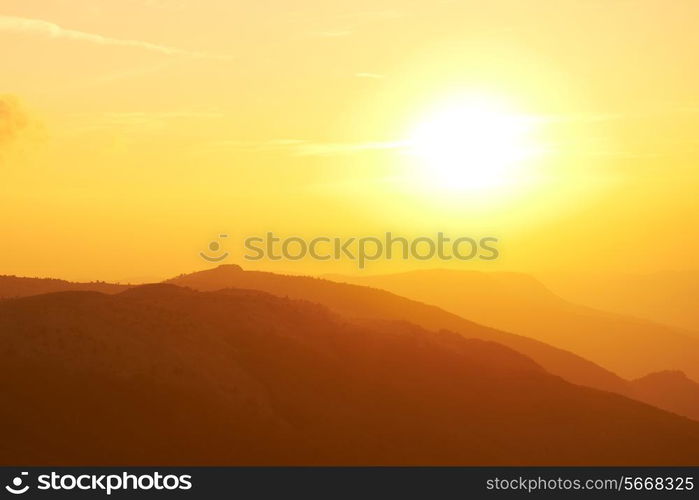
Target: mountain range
column 678, row 394
column 665, row 296
column 368, row 302
column 627, row 345
column 161, row 374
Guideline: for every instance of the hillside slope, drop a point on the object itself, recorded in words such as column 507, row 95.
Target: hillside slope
column 161, row 374
column 16, row 286
column 629, row 346
column 365, row 302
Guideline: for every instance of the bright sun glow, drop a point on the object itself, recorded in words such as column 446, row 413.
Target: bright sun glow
column 473, row 145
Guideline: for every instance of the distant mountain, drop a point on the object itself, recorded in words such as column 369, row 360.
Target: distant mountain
column 165, row 375
column 516, row 302
column 363, row 302
column 366, row 302
column 669, row 389
column 666, row 297
column 15, row 286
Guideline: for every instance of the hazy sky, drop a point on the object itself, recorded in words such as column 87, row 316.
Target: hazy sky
column 132, row 132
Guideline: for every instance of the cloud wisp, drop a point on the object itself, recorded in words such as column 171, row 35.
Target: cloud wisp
column 331, row 33
column 372, row 76
column 300, row 147
column 19, row 128
column 39, row 27
column 13, row 119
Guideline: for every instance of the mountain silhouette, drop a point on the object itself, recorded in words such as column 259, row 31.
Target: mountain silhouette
column 669, row 389
column 666, row 296
column 356, row 301
column 353, row 301
column 15, row 286
column 165, row 375
column 361, row 301
column 626, row 345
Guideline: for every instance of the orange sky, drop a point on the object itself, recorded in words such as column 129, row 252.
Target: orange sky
column 151, row 126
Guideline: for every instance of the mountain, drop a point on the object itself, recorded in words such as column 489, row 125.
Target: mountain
column 165, row 375
column 669, row 389
column 666, row 297
column 356, row 301
column 15, row 286
column 363, row 301
column 629, row 346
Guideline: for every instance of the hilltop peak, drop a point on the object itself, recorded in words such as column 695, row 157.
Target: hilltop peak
column 156, row 290
column 676, row 375
column 228, row 267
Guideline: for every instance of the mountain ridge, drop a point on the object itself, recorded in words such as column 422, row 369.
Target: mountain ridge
column 243, row 377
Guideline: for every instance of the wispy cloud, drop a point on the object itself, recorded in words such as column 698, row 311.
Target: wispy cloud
column 666, row 110
column 377, row 14
column 13, row 119
column 139, row 116
column 300, row 147
column 331, row 33
column 580, row 117
column 131, row 73
column 339, row 148
column 16, row 125
column 39, row 27
column 136, row 122
column 374, row 76
column 167, row 4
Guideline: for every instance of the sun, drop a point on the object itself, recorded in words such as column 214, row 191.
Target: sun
column 472, row 145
